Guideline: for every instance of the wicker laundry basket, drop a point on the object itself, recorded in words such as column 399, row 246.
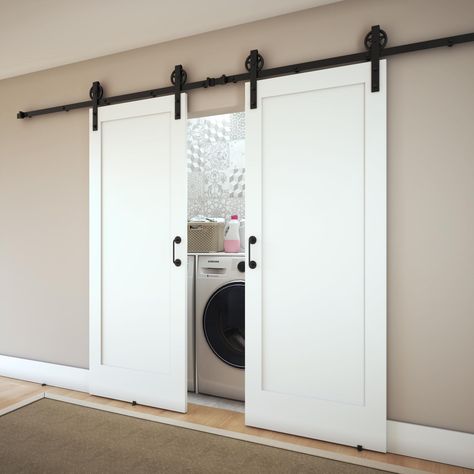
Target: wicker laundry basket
column 205, row 237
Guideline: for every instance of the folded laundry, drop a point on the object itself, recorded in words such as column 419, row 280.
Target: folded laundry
column 201, row 218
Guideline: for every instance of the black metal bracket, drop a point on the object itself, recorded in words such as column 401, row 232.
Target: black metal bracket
column 375, row 58
column 359, row 448
column 178, row 78
column 134, row 403
column 209, row 82
column 375, row 41
column 254, row 64
column 96, row 92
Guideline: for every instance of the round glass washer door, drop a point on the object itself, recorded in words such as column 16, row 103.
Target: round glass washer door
column 224, row 323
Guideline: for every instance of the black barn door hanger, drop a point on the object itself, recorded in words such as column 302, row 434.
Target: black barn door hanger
column 375, row 43
column 96, row 94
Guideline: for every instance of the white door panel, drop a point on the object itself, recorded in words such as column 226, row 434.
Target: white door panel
column 137, row 294
column 315, row 311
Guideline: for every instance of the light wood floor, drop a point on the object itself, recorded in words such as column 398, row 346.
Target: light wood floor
column 13, row 391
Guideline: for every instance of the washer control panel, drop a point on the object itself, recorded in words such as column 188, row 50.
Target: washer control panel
column 224, row 267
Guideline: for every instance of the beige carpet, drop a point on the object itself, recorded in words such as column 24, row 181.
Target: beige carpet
column 55, row 437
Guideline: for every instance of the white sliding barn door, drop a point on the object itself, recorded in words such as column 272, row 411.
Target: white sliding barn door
column 137, row 294
column 316, row 301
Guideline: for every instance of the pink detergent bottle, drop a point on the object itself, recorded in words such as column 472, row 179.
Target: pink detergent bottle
column 232, row 235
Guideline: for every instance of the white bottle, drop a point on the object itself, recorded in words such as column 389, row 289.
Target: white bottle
column 231, row 236
column 242, row 235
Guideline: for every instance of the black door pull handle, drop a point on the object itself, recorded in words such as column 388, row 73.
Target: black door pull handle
column 176, row 261
column 252, row 241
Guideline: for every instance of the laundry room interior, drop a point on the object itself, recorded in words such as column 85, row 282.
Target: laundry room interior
column 216, row 260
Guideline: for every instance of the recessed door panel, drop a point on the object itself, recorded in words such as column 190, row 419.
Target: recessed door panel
column 135, row 280
column 326, row 203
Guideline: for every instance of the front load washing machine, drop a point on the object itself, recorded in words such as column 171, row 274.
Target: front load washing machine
column 220, row 326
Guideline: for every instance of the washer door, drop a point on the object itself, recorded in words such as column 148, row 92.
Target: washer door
column 224, row 323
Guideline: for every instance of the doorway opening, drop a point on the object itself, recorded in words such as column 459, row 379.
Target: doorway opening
column 216, row 268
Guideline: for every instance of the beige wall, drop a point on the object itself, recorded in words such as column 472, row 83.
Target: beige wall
column 44, row 188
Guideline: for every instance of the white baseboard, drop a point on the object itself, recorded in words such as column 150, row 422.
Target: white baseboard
column 57, row 375
column 434, row 444
column 445, row 446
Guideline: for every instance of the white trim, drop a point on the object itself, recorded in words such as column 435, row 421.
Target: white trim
column 435, row 444
column 56, row 375
column 235, row 435
column 22, row 403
